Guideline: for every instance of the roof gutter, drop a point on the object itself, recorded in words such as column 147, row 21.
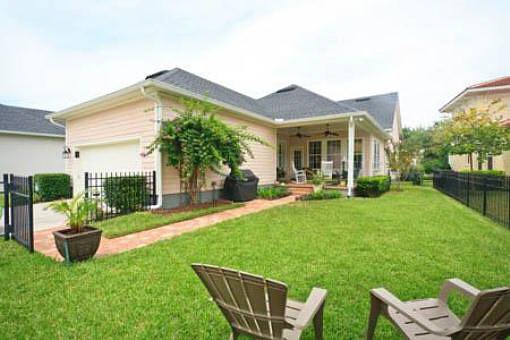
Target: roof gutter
column 36, row 134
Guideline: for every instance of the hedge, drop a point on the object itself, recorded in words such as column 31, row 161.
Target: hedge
column 484, row 172
column 322, row 195
column 273, row 192
column 126, row 194
column 372, row 186
column 53, row 186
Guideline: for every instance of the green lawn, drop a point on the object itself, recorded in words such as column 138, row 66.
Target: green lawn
column 139, row 221
column 408, row 242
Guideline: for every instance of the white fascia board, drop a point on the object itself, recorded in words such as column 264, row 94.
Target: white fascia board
column 467, row 91
column 37, row 134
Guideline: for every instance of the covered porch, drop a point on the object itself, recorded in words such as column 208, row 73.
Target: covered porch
column 354, row 145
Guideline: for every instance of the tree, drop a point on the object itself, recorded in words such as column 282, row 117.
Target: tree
column 400, row 159
column 476, row 130
column 196, row 141
column 428, row 154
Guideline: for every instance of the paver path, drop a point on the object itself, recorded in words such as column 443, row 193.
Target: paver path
column 44, row 243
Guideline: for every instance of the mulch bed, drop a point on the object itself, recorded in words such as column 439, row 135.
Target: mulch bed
column 190, row 207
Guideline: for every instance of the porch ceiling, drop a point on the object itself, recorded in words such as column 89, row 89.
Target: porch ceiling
column 338, row 126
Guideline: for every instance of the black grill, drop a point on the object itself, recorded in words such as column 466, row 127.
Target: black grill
column 241, row 189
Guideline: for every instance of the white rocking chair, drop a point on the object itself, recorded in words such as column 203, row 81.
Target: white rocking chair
column 327, row 169
column 300, row 175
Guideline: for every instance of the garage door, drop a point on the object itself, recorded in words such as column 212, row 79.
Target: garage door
column 107, row 158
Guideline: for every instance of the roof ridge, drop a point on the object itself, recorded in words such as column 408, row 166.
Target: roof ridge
column 487, row 82
column 370, row 96
column 26, row 108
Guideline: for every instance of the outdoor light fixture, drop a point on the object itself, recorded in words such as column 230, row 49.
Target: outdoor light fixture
column 66, row 152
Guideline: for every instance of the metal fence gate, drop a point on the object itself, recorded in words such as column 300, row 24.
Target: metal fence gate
column 19, row 210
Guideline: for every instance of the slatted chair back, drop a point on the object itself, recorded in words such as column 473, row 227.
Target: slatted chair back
column 488, row 316
column 250, row 303
column 327, row 169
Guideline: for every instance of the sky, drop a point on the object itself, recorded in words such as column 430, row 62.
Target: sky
column 55, row 54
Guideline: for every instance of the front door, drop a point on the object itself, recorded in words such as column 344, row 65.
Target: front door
column 297, row 157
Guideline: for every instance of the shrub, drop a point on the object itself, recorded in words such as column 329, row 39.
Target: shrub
column 322, row 195
column 317, row 179
column 484, row 172
column 372, row 186
column 50, row 187
column 126, row 194
column 273, row 192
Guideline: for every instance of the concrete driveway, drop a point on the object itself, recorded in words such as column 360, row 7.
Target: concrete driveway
column 43, row 219
column 46, row 219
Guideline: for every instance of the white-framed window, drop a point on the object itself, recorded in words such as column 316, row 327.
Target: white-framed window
column 314, row 154
column 377, row 155
column 358, row 154
column 333, row 152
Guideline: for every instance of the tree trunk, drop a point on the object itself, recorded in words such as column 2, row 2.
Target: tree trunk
column 470, row 160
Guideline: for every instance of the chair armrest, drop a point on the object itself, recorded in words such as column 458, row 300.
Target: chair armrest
column 459, row 286
column 389, row 299
column 312, row 305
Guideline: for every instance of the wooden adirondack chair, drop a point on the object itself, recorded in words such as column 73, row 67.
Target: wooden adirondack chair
column 488, row 316
column 259, row 307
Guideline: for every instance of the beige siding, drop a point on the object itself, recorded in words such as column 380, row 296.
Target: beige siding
column 263, row 164
column 460, row 162
column 130, row 121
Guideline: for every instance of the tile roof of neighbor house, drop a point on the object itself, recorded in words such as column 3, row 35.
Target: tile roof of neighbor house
column 382, row 107
column 291, row 102
column 502, row 81
column 25, row 120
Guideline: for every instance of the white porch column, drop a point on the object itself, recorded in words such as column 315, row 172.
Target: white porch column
column 350, row 157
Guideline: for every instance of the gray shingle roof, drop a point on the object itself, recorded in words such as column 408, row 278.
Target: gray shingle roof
column 198, row 85
column 381, row 107
column 20, row 119
column 293, row 102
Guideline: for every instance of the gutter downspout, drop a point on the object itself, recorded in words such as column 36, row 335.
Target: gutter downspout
column 158, row 116
column 55, row 123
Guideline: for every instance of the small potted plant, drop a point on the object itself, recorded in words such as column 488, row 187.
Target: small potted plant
column 317, row 181
column 81, row 241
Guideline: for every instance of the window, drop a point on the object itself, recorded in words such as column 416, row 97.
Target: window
column 281, row 155
column 298, row 159
column 333, row 153
column 377, row 154
column 358, row 154
column 314, row 154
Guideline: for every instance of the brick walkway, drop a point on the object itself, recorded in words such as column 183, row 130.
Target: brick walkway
column 44, row 243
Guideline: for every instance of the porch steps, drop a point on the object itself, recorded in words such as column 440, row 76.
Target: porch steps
column 300, row 189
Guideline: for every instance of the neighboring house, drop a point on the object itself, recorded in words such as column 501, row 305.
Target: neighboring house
column 475, row 96
column 111, row 133
column 29, row 142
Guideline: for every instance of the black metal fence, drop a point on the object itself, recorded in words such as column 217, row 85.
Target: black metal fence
column 489, row 195
column 120, row 193
column 19, row 213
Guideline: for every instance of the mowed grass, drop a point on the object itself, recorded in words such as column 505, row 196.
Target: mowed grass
column 408, row 242
column 132, row 223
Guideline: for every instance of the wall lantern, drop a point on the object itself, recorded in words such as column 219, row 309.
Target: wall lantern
column 66, row 152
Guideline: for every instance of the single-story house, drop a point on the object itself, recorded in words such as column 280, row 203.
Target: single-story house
column 29, row 142
column 110, row 133
column 480, row 95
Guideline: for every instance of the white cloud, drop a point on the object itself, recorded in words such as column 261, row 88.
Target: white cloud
column 428, row 51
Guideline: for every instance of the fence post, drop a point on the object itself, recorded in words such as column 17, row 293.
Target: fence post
column 467, row 188
column 7, row 231
column 86, row 185
column 484, row 195
column 154, row 198
column 31, row 212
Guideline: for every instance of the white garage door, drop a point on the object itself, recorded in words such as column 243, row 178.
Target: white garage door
column 107, row 158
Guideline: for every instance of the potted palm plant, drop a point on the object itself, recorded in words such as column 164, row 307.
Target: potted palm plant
column 80, row 241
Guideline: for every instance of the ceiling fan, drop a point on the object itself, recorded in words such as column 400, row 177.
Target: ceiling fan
column 328, row 132
column 299, row 134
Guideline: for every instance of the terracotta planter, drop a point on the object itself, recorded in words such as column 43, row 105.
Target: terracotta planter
column 77, row 246
column 317, row 188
